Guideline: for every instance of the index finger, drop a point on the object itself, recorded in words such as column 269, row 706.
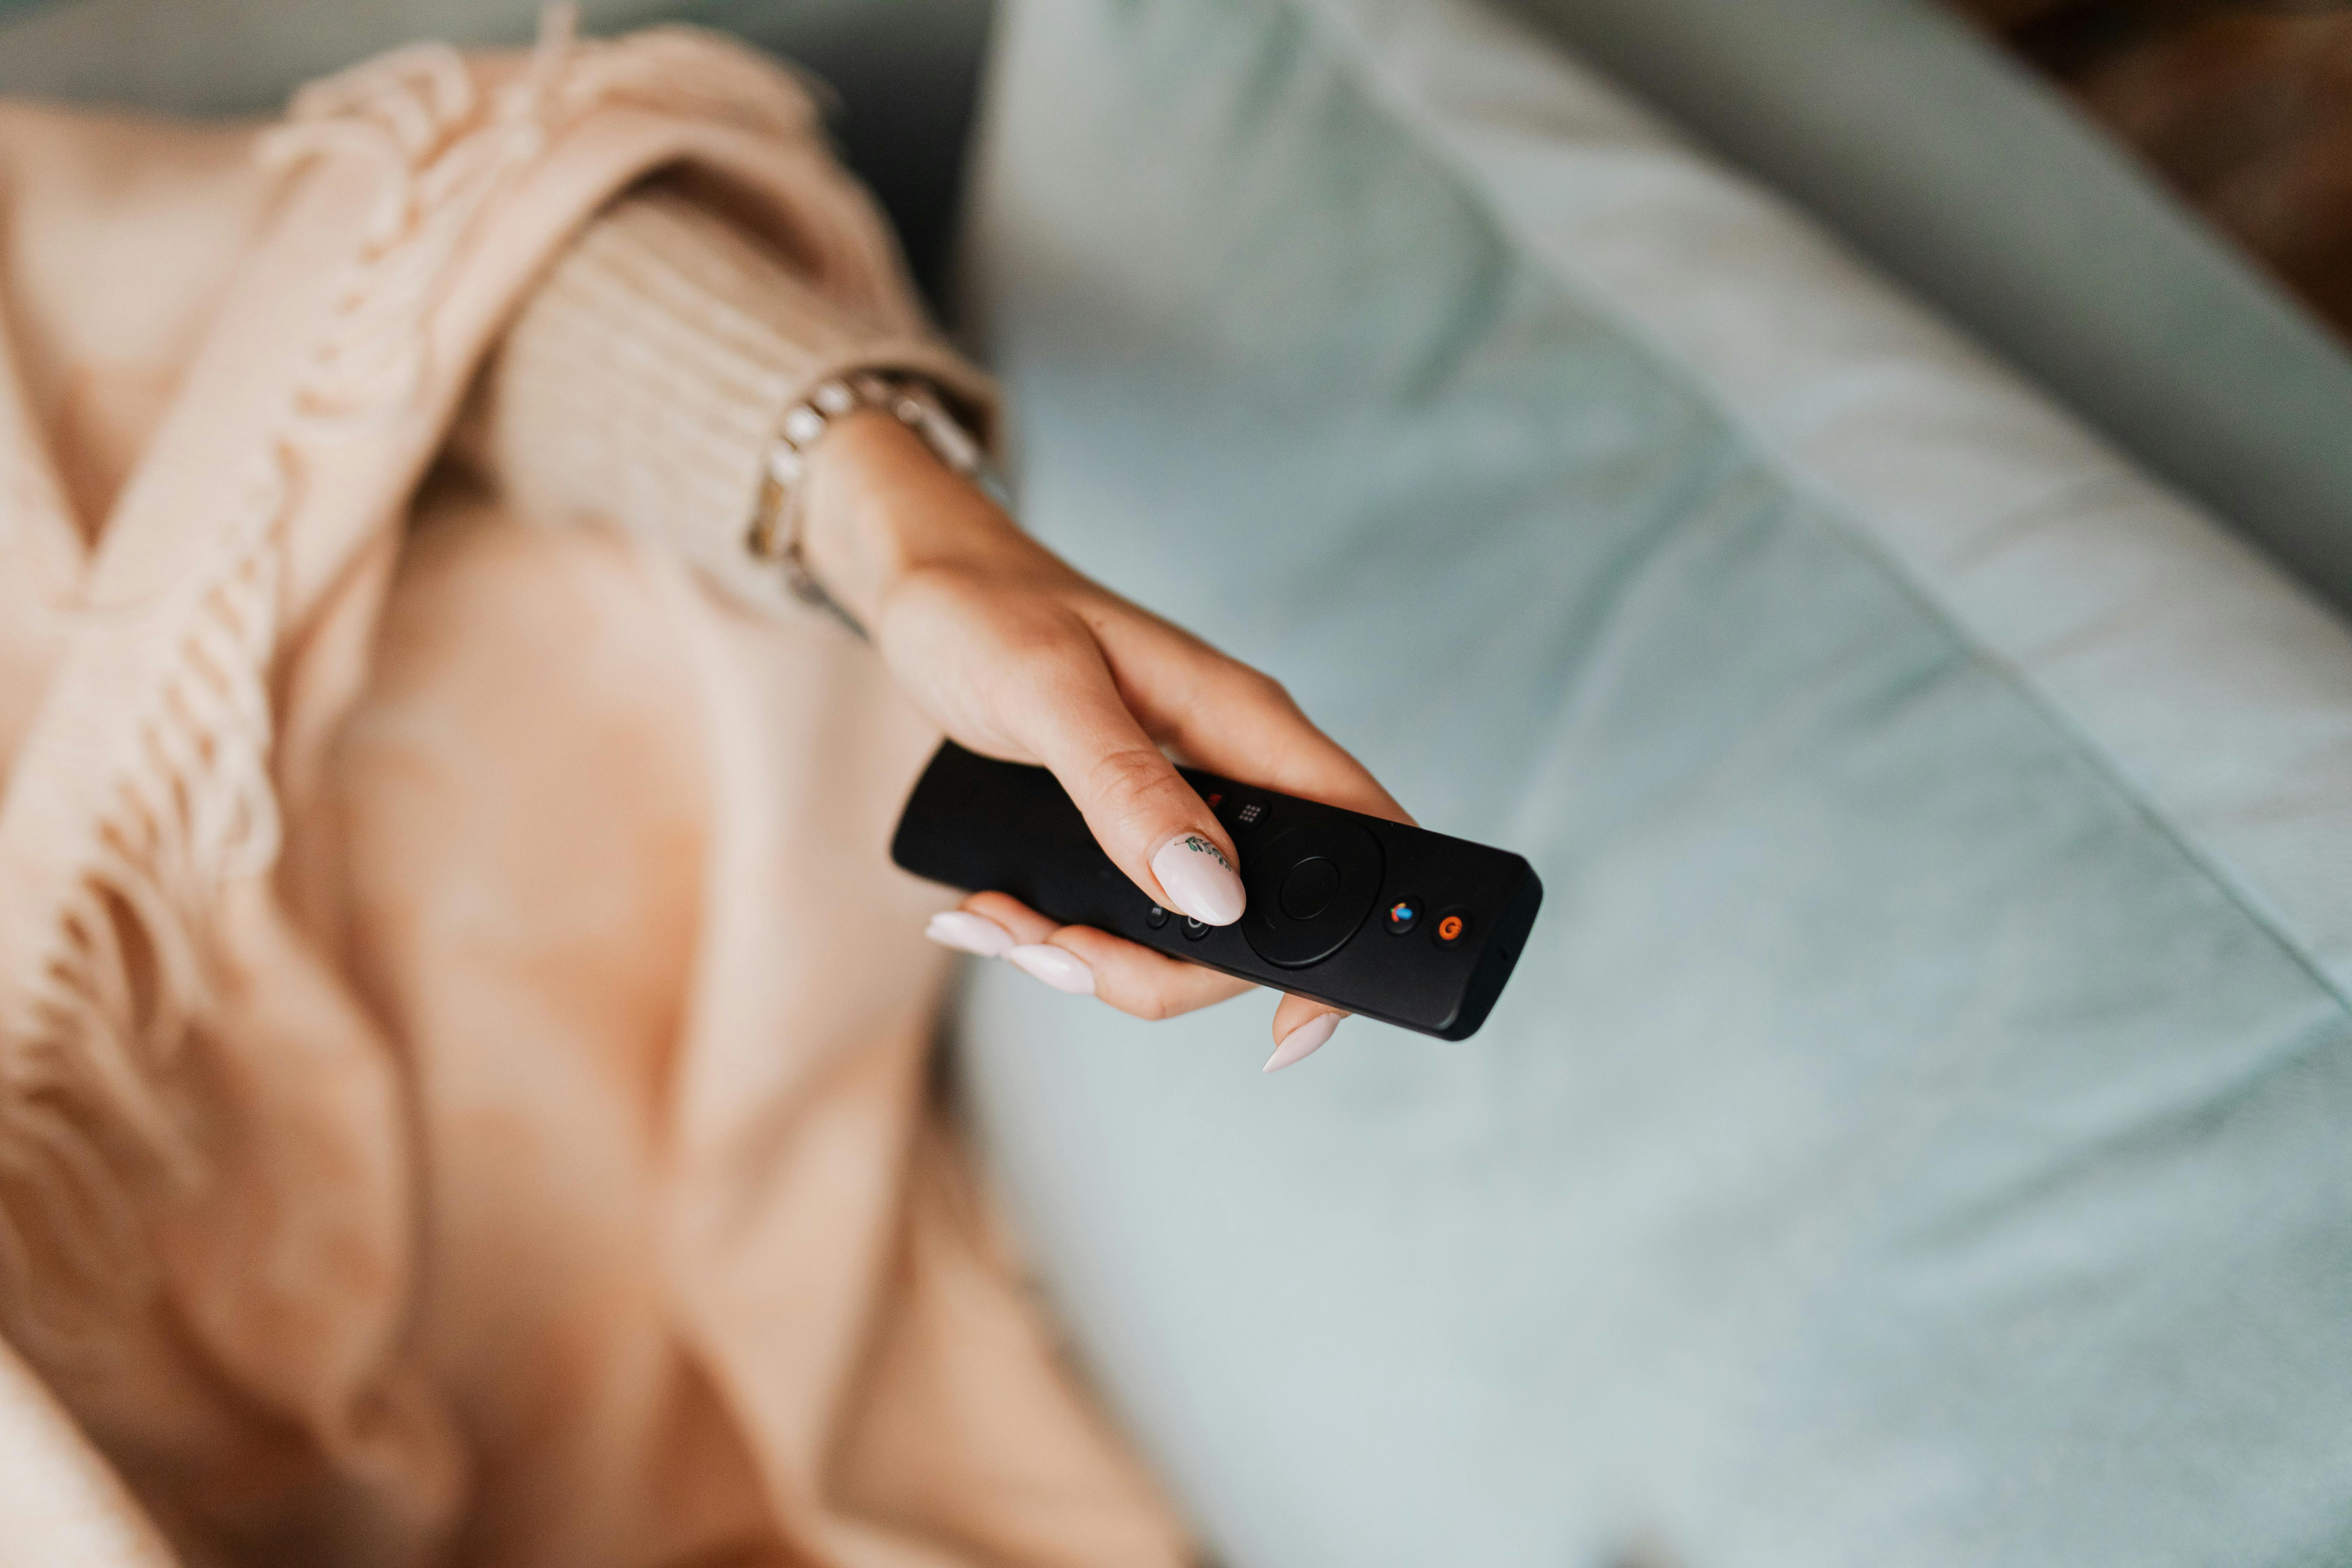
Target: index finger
column 1238, row 721
column 1155, row 828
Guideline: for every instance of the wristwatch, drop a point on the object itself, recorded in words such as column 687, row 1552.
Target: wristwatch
column 776, row 522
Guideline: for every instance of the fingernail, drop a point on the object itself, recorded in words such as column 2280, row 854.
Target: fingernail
column 1302, row 1041
column 967, row 933
column 1058, row 967
column 1199, row 880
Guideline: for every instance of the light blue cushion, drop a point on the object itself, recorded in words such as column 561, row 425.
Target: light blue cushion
column 1947, row 163
column 1915, row 1133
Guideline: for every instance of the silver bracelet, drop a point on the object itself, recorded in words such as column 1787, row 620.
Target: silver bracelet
column 776, row 524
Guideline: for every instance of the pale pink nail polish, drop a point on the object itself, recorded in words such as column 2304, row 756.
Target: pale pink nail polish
column 1302, row 1041
column 1199, row 880
column 969, row 932
column 1058, row 967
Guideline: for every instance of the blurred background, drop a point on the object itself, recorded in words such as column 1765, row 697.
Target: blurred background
column 2244, row 109
column 2241, row 110
column 2242, row 106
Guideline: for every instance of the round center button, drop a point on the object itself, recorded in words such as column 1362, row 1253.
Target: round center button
column 1309, row 888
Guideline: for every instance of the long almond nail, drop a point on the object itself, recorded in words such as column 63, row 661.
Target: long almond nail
column 969, row 932
column 1302, row 1041
column 1058, row 967
column 1199, row 880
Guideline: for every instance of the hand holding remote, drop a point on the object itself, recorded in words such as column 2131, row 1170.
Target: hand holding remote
column 1018, row 657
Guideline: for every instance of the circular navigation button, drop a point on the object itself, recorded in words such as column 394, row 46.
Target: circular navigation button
column 1194, row 930
column 1310, row 888
column 1402, row 916
column 1451, row 927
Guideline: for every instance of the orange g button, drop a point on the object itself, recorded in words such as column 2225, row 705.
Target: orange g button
column 1452, row 929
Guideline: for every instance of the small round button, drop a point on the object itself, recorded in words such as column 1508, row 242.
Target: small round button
column 1452, row 928
column 1309, row 888
column 1155, row 917
column 1402, row 916
column 1194, row 930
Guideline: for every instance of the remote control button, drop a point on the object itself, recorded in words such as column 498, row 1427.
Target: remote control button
column 1336, row 865
column 1402, row 916
column 1452, row 928
column 1155, row 917
column 1309, row 888
column 1194, row 930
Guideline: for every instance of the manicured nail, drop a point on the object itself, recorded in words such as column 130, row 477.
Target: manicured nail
column 1199, row 880
column 969, row 932
column 1058, row 967
column 1302, row 1041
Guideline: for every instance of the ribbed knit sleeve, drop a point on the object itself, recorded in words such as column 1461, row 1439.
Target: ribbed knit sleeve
column 645, row 376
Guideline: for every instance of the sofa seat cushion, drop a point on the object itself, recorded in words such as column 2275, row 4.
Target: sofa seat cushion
column 1915, row 1133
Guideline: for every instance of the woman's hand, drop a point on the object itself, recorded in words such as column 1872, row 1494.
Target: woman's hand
column 1016, row 656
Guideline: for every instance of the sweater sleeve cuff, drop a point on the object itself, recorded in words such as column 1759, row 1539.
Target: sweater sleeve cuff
column 645, row 380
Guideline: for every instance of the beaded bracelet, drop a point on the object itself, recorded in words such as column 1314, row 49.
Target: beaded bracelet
column 776, row 524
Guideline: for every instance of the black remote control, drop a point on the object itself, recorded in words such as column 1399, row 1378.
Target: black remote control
column 1394, row 922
